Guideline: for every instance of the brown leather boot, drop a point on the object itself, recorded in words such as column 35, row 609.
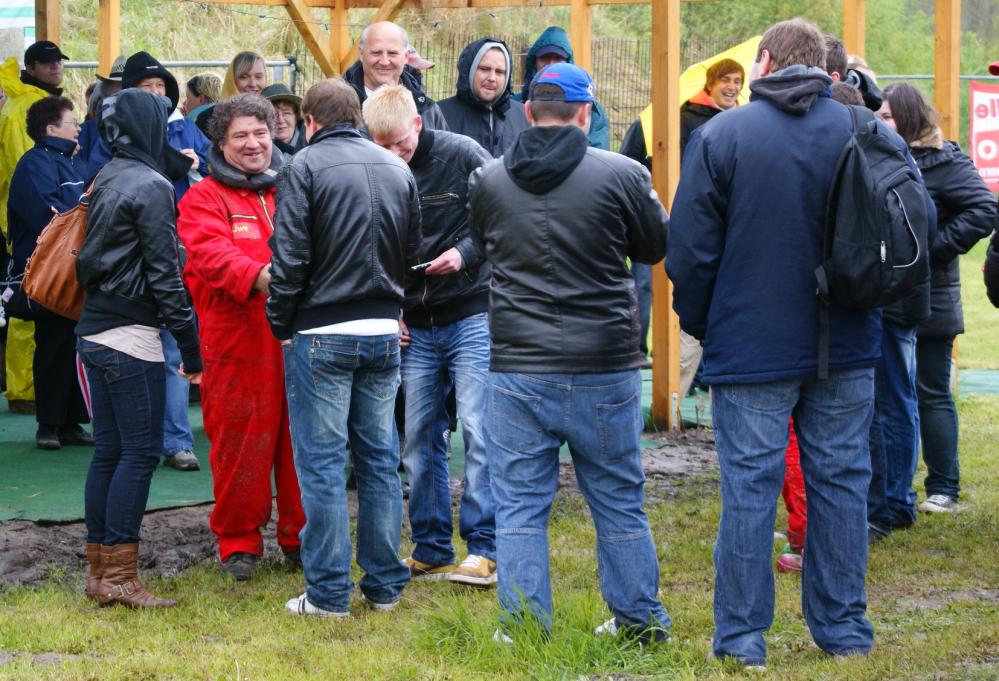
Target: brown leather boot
column 120, row 579
column 94, row 576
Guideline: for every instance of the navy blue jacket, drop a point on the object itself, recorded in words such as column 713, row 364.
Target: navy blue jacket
column 746, row 235
column 182, row 133
column 45, row 178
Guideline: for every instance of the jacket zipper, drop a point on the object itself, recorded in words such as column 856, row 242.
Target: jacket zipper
column 266, row 214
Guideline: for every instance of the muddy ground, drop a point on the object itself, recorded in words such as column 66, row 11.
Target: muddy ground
column 176, row 539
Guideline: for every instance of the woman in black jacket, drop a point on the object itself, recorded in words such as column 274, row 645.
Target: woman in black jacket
column 966, row 212
column 130, row 267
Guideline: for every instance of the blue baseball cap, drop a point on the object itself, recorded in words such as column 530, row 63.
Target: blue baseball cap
column 574, row 82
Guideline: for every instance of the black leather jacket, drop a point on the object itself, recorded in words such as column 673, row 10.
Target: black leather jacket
column 557, row 220
column 966, row 213
column 130, row 263
column 441, row 165
column 346, row 230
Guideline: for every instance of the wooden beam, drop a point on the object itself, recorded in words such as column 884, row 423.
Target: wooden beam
column 47, row 20
column 437, row 4
column 947, row 66
column 665, row 155
column 108, row 34
column 314, row 40
column 854, row 27
column 339, row 33
column 387, row 11
column 581, row 33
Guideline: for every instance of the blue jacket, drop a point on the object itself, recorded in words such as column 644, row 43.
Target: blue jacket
column 182, row 133
column 746, row 235
column 44, row 178
column 599, row 135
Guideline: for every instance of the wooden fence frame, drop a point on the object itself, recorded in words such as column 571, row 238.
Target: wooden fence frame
column 334, row 53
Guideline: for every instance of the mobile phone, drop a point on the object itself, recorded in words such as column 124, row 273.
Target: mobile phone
column 421, row 266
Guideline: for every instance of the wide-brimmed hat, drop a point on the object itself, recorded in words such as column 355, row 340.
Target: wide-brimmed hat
column 117, row 69
column 142, row 65
column 279, row 92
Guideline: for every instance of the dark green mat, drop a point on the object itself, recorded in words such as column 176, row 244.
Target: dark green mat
column 42, row 485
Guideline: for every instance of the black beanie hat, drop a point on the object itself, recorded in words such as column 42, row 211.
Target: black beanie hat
column 142, row 65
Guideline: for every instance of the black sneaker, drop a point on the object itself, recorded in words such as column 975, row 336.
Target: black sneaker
column 75, row 436
column 293, row 559
column 47, row 437
column 939, row 503
column 240, row 565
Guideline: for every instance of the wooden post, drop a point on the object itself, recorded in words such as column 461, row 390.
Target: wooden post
column 947, row 66
column 854, row 27
column 47, row 21
column 339, row 33
column 108, row 34
column 312, row 36
column 665, row 155
column 580, row 33
column 388, row 11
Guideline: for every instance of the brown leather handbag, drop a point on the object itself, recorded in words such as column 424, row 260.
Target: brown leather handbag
column 50, row 273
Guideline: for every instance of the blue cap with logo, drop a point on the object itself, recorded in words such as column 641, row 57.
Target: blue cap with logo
column 574, row 82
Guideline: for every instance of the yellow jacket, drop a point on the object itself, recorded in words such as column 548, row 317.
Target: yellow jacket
column 14, row 140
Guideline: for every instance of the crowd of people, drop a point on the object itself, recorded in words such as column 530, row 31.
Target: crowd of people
column 312, row 261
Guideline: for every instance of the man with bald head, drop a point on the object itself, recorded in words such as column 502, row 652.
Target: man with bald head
column 382, row 61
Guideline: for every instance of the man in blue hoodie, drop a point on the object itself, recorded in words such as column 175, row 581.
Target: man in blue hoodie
column 748, row 226
column 552, row 47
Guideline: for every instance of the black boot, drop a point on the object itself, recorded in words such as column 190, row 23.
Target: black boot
column 47, row 437
column 74, row 435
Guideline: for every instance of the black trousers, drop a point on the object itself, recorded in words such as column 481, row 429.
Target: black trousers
column 58, row 400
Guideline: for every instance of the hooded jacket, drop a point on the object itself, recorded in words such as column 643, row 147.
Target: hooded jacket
column 45, row 179
column 441, row 165
column 14, row 140
column 966, row 213
column 557, row 220
column 130, row 263
column 347, row 229
column 599, row 134
column 494, row 125
column 747, row 233
column 426, row 107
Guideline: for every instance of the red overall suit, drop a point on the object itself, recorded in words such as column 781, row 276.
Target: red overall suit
column 225, row 231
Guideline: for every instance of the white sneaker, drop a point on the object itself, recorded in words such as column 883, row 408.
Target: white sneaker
column 938, row 503
column 302, row 606
column 381, row 607
column 608, row 628
column 500, row 637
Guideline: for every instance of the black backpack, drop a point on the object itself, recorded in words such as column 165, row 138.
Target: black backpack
column 877, row 223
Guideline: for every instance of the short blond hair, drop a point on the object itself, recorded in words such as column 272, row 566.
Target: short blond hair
column 388, row 108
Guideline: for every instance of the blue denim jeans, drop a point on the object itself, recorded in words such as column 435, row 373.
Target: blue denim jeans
column 600, row 416
column 642, row 274
column 937, row 416
column 127, row 402
column 342, row 387
column 891, row 501
column 453, row 354
column 832, row 419
column 177, row 435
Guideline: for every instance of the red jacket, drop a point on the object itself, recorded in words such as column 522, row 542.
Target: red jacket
column 225, row 231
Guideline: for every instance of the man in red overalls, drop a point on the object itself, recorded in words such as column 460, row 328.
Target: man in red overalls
column 225, row 222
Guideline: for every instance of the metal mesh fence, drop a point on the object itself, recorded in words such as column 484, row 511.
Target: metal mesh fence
column 621, row 69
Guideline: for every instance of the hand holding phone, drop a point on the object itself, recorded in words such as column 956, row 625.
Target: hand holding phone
column 422, row 266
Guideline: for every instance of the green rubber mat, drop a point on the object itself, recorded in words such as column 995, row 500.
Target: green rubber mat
column 978, row 382
column 45, row 485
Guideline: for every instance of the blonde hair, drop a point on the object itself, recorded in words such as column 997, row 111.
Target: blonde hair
column 239, row 65
column 389, row 108
column 207, row 85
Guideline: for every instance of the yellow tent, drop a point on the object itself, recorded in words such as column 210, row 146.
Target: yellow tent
column 692, row 80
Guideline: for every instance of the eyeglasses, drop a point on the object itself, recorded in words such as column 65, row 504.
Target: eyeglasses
column 64, row 123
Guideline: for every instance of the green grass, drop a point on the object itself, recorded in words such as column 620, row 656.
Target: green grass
column 933, row 590
column 978, row 348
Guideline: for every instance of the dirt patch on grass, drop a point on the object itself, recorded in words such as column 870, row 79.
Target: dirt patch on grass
column 176, row 539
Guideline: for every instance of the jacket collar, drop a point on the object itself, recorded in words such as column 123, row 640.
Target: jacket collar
column 423, row 147
column 28, row 79
column 338, row 130
column 932, row 139
column 58, row 145
column 225, row 173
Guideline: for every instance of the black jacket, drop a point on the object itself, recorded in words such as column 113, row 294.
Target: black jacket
column 494, row 126
column 692, row 116
column 556, row 220
column 130, row 264
column 966, row 213
column 992, row 270
column 426, row 107
column 346, row 227
column 441, row 165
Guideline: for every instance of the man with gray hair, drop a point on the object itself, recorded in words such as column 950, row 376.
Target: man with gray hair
column 382, row 61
